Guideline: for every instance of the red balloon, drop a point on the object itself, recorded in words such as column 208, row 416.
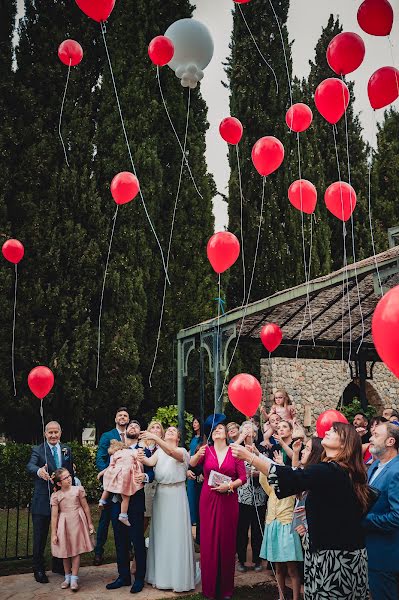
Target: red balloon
column 267, row 155
column 70, row 53
column 385, row 329
column 231, row 130
column 271, row 336
column 241, row 1
column 345, row 52
column 375, row 17
column 13, row 251
column 40, row 381
column 98, row 10
column 332, row 99
column 245, row 393
column 161, row 50
column 303, row 195
column 326, row 420
column 124, row 187
column 340, row 199
column 299, row 117
column 222, row 250
column 383, row 87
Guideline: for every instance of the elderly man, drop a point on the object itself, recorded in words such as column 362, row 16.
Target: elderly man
column 44, row 460
column 102, row 462
column 125, row 536
column 382, row 521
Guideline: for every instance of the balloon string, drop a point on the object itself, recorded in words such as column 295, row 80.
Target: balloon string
column 102, row 296
column 250, row 285
column 103, row 31
column 216, row 363
column 284, row 52
column 44, row 445
column 170, row 238
column 13, row 329
column 303, row 241
column 393, row 62
column 62, row 111
column 258, row 49
column 352, row 225
column 369, row 207
column 345, row 281
column 242, row 226
column 176, row 135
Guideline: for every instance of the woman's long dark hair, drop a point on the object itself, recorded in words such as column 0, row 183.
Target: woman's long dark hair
column 350, row 458
column 201, row 432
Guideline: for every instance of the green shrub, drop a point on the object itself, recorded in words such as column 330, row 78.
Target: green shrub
column 355, row 407
column 169, row 416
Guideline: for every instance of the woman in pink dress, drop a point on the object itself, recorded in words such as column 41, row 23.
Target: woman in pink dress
column 120, row 476
column 219, row 514
column 71, row 526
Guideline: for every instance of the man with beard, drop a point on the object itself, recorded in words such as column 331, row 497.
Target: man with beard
column 382, row 521
column 125, row 536
column 102, row 462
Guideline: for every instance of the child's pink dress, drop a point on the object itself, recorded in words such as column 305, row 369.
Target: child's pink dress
column 119, row 476
column 286, row 413
column 73, row 528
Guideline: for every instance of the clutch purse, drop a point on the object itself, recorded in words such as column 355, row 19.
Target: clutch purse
column 216, row 478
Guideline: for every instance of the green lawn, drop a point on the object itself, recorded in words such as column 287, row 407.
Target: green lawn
column 23, row 545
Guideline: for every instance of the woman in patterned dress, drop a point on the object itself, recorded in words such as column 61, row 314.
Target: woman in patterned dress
column 338, row 498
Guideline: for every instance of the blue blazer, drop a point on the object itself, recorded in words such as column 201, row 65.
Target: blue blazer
column 102, row 457
column 382, row 522
column 41, row 499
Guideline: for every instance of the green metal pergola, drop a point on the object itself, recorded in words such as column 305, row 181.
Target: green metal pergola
column 341, row 304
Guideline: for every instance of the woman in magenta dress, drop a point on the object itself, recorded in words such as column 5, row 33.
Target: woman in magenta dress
column 219, row 513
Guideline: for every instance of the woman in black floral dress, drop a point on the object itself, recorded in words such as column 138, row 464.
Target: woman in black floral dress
column 338, row 498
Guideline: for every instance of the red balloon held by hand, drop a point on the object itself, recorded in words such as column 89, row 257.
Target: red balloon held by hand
column 267, row 155
column 383, row 87
column 70, row 53
column 345, row 52
column 222, row 250
column 40, row 381
column 375, row 17
column 299, row 117
column 271, row 336
column 13, row 251
column 98, row 10
column 231, row 130
column 340, row 199
column 326, row 420
column 385, row 329
column 161, row 50
column 245, row 393
column 303, row 195
column 124, row 187
column 332, row 99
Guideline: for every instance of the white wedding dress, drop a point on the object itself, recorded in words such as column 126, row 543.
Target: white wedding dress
column 170, row 558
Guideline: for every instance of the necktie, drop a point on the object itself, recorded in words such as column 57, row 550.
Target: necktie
column 122, row 437
column 56, row 457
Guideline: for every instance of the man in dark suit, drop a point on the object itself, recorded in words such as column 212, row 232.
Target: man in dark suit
column 382, row 521
column 125, row 536
column 44, row 460
column 102, row 462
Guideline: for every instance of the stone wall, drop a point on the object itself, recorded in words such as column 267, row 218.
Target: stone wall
column 320, row 384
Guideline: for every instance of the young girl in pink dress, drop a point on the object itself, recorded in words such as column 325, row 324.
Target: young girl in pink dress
column 71, row 526
column 120, row 476
column 282, row 406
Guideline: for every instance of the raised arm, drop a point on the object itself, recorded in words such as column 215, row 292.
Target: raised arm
column 198, row 457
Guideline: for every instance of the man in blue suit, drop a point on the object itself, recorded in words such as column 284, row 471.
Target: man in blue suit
column 124, row 535
column 382, row 522
column 44, row 460
column 102, row 462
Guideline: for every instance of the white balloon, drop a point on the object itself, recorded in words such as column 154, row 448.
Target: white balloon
column 193, row 50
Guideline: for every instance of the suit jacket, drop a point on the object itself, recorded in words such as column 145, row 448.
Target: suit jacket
column 382, row 522
column 102, row 457
column 41, row 500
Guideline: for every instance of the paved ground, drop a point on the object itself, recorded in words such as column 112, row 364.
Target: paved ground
column 92, row 582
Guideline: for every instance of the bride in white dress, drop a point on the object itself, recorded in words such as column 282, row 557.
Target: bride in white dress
column 170, row 558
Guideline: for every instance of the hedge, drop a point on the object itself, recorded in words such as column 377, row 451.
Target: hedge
column 14, row 476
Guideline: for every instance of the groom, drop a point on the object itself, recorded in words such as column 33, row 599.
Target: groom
column 125, row 536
